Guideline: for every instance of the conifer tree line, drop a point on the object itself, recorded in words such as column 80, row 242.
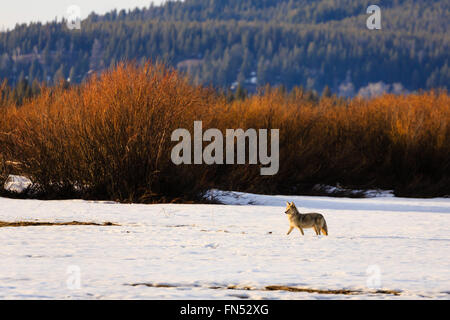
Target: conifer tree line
column 319, row 45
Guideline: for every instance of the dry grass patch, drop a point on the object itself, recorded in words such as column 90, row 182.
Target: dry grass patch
column 341, row 291
column 273, row 288
column 4, row 224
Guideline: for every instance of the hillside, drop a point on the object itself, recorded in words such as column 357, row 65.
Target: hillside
column 280, row 42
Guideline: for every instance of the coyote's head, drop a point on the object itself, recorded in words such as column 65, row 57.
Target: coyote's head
column 291, row 208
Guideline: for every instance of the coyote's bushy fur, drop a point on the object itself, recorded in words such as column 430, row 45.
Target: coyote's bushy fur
column 305, row 220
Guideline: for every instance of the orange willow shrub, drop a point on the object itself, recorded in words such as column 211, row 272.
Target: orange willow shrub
column 3, row 171
column 398, row 142
column 110, row 139
column 5, row 125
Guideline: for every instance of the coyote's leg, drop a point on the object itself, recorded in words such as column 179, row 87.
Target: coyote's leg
column 324, row 232
column 290, row 230
column 301, row 230
column 316, row 229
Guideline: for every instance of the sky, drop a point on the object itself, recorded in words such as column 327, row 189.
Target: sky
column 25, row 11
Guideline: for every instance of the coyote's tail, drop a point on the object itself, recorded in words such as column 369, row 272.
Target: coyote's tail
column 325, row 228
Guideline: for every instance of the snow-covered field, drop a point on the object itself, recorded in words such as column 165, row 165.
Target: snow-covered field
column 199, row 251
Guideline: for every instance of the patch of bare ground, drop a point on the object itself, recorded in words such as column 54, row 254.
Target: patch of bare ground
column 274, row 288
column 181, row 226
column 155, row 285
column 341, row 291
column 4, row 224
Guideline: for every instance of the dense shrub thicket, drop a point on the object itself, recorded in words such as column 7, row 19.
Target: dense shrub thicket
column 109, row 138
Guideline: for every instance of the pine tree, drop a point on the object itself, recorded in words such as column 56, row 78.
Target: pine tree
column 326, row 93
column 241, row 92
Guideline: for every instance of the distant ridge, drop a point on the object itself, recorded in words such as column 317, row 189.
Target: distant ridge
column 315, row 44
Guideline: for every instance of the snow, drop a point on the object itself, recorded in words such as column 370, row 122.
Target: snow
column 17, row 184
column 367, row 193
column 196, row 251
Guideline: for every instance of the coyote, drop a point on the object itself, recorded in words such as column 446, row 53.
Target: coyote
column 307, row 220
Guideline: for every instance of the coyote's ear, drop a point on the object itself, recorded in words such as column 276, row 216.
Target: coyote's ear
column 287, row 204
column 292, row 204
